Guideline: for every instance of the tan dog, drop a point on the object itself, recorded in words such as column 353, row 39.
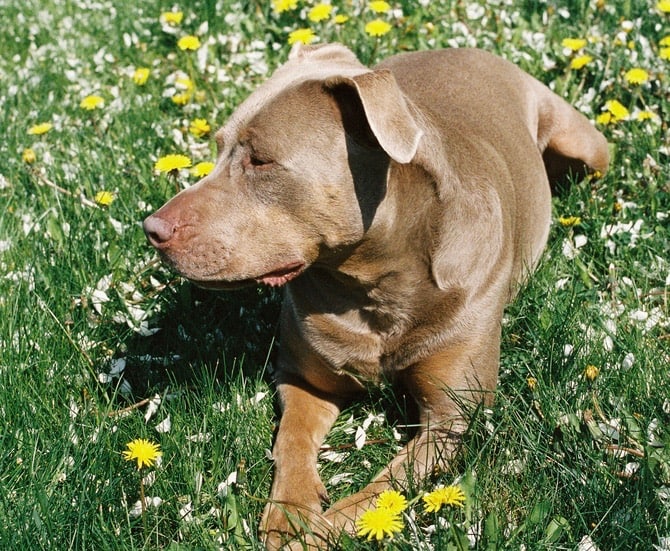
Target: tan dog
column 403, row 206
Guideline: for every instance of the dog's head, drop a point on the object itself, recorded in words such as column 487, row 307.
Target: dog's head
column 301, row 168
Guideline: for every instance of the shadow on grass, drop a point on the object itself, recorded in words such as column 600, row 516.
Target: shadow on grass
column 228, row 334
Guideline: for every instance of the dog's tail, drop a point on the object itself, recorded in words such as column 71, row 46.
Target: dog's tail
column 570, row 145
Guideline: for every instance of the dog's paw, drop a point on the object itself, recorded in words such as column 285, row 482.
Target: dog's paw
column 288, row 528
column 290, row 521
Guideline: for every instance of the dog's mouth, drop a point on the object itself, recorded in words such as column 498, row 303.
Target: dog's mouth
column 275, row 278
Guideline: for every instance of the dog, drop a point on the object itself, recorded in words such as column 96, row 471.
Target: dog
column 401, row 207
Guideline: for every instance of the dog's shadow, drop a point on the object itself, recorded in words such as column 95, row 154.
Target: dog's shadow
column 229, row 334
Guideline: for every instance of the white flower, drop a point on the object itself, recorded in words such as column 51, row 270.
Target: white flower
column 136, row 510
column 587, row 544
column 164, row 426
column 360, row 437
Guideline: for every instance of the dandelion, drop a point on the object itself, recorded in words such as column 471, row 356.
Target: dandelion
column 636, row 76
column 591, row 372
column 379, row 6
column 28, row 156
column 173, row 18
column 104, row 198
column 614, row 111
column 304, row 36
column 532, row 383
column 144, row 452
column 199, row 128
column 280, row 6
column 39, row 129
column 319, row 12
column 663, row 6
column 580, row 61
column 452, row 496
column 92, row 102
column 188, row 42
column 646, row 115
column 170, row 163
column 569, row 221
column 181, row 98
column 340, row 19
column 392, row 501
column 184, row 83
column 573, row 44
column 377, row 27
column 141, row 75
column 202, row 169
column 378, row 523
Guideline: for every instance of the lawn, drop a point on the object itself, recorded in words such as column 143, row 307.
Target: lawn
column 101, row 345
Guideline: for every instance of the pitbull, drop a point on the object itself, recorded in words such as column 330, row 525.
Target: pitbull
column 401, row 207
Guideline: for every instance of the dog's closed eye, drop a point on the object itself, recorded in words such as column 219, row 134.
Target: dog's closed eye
column 253, row 161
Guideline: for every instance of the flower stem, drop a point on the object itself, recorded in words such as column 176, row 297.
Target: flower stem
column 144, row 508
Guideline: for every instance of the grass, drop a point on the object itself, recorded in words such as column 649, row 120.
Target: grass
column 560, row 462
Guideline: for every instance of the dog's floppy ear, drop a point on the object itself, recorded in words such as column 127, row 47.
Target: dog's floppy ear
column 385, row 109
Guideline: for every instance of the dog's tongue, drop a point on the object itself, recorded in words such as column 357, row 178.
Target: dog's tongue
column 279, row 277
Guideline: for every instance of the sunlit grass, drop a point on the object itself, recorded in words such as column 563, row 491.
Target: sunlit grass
column 101, row 345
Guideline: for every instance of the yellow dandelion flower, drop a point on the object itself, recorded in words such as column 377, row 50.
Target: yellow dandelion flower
column 104, row 198
column 341, row 19
column 580, row 61
column 202, row 169
column 319, row 12
column 617, row 110
column 663, row 6
column 173, row 18
column 145, row 452
column 305, row 36
column 569, row 221
column 28, row 156
column 573, row 44
column 141, row 75
column 605, row 118
column 392, row 501
column 532, row 383
column 646, row 115
column 664, row 53
column 92, row 102
column 377, row 27
column 281, row 6
column 182, row 98
column 452, row 496
column 188, row 42
column 184, row 83
column 665, row 41
column 168, row 163
column 379, row 6
column 636, row 76
column 591, row 372
column 39, row 129
column 378, row 523
column 199, row 128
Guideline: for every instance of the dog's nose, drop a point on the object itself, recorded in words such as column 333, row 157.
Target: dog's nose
column 158, row 231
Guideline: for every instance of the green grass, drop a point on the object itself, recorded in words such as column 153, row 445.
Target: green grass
column 547, row 467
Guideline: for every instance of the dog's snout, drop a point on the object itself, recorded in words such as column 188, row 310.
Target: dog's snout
column 158, row 231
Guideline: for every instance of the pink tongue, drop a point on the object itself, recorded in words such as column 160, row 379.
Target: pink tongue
column 275, row 281
column 280, row 277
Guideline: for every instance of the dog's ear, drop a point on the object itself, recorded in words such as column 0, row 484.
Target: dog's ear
column 376, row 96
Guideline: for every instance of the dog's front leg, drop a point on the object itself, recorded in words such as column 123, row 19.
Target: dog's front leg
column 446, row 387
column 294, row 509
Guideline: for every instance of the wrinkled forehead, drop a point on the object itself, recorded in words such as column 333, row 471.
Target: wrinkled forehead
column 299, row 69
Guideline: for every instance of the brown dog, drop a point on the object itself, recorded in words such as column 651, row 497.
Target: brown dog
column 403, row 206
